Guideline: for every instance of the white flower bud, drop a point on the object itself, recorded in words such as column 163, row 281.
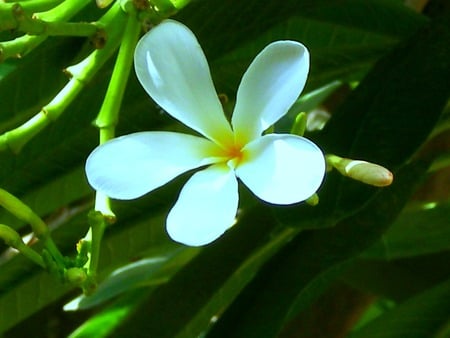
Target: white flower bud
column 363, row 171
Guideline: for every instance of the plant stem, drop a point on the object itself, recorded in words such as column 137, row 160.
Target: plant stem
column 106, row 122
column 20, row 46
column 81, row 74
column 7, row 11
column 24, row 44
column 13, row 239
column 299, row 125
column 34, row 26
column 40, row 229
column 109, row 112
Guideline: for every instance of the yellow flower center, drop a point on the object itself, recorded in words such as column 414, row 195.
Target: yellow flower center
column 234, row 155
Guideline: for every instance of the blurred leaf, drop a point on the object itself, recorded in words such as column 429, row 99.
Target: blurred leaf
column 222, row 27
column 419, row 317
column 407, row 87
column 144, row 272
column 103, row 324
column 397, row 279
column 419, row 231
column 301, row 270
column 281, row 290
column 342, row 46
column 205, row 287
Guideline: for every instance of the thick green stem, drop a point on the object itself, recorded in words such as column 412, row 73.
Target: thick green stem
column 24, row 44
column 34, row 26
column 106, row 122
column 25, row 214
column 81, row 73
column 168, row 7
column 19, row 47
column 109, row 112
column 13, row 239
column 8, row 19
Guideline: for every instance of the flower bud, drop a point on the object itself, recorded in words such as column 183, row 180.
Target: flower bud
column 75, row 275
column 363, row 171
column 369, row 173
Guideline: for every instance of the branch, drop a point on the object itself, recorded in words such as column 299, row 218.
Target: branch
column 81, row 74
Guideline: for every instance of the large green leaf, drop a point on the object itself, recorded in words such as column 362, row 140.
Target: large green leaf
column 420, row 231
column 397, row 279
column 205, row 286
column 384, row 120
column 419, row 317
column 298, row 273
column 314, row 253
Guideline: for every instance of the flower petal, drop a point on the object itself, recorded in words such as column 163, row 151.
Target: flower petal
column 172, row 68
column 130, row 166
column 282, row 169
column 269, row 87
column 206, row 207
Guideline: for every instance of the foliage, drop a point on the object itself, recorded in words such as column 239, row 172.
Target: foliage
column 379, row 68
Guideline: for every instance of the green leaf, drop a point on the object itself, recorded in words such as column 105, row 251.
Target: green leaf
column 147, row 271
column 374, row 112
column 207, row 285
column 301, row 270
column 343, row 45
column 370, row 124
column 419, row 317
column 104, row 323
column 398, row 279
column 419, row 231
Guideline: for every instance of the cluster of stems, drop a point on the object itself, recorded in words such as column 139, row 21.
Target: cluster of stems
column 118, row 29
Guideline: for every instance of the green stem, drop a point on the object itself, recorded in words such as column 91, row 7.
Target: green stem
column 98, row 225
column 8, row 16
column 13, row 239
column 299, row 125
column 19, row 47
column 169, row 7
column 25, row 214
column 109, row 112
column 35, row 26
column 81, row 74
column 63, row 12
column 106, row 122
column 23, row 45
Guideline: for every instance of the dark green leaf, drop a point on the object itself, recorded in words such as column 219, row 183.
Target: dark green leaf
column 298, row 273
column 420, row 231
column 419, row 317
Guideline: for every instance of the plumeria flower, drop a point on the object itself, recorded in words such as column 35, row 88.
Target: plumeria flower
column 278, row 168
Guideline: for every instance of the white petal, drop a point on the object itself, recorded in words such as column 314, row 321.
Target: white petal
column 206, row 207
column 269, row 87
column 130, row 166
column 172, row 68
column 282, row 169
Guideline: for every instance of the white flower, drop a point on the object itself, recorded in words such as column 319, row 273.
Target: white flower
column 278, row 168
